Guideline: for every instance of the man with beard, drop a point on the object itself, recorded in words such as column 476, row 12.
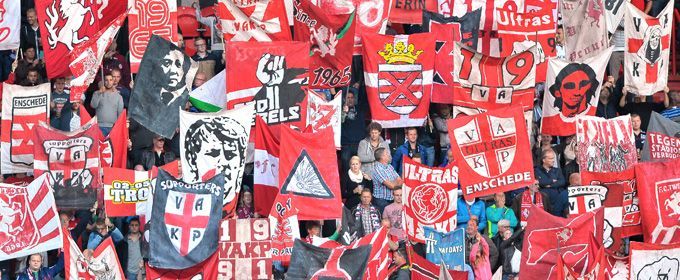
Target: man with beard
column 574, row 88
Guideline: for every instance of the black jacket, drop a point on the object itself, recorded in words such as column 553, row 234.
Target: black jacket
column 148, row 159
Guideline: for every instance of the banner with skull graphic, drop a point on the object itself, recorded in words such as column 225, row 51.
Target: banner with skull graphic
column 148, row 18
column 10, row 22
column 653, row 261
column 213, row 143
column 605, row 145
column 102, row 264
column 331, row 38
column 430, row 196
column 371, row 16
column 162, row 86
column 564, row 101
column 585, row 29
column 71, row 160
column 493, row 151
column 647, row 49
column 398, row 73
column 658, row 186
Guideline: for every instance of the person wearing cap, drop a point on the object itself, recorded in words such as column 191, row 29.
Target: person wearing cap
column 156, row 156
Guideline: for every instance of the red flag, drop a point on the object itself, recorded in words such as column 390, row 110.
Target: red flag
column 422, row 269
column 380, row 257
column 266, row 168
column 113, row 148
column 653, row 261
column 495, row 151
column 258, row 20
column 109, row 10
column 10, row 25
column 127, row 192
column 371, row 16
column 205, row 270
column 411, row 11
column 594, row 270
column 630, row 210
column 148, row 18
column 398, row 73
column 659, row 190
column 331, row 39
column 84, row 116
column 605, row 144
column 284, row 228
column 103, row 263
column 308, row 174
column 245, row 249
column 616, row 268
column 546, row 237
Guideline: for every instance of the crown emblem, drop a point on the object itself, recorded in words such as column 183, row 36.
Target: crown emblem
column 400, row 53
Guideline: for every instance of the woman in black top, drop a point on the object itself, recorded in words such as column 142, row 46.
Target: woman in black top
column 355, row 181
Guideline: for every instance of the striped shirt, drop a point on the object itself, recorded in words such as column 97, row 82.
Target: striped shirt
column 381, row 173
column 672, row 114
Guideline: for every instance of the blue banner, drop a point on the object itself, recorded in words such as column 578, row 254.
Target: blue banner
column 449, row 247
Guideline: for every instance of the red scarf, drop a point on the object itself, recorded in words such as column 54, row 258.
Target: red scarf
column 526, row 204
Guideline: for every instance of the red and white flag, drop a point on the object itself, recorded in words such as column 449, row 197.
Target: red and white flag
column 266, row 168
column 587, row 198
column 30, row 223
column 258, row 20
column 127, row 192
column 245, row 249
column 616, row 268
column 10, row 22
column 422, row 269
column 658, row 186
column 585, row 29
column 284, row 226
column 86, row 58
column 493, row 151
column 113, row 148
column 322, row 114
column 411, row 11
column 562, row 103
column 605, row 145
column 619, row 182
column 103, row 264
column 653, row 261
column 648, row 43
column 371, row 16
column 146, row 18
column 430, row 197
column 398, row 73
column 378, row 260
column 594, row 269
column 23, row 108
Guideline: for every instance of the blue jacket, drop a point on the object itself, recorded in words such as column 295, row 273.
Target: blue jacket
column 552, row 177
column 96, row 238
column 478, row 209
column 45, row 272
column 403, row 151
column 495, row 214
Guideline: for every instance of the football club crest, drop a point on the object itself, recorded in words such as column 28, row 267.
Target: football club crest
column 67, row 161
column 491, row 152
column 400, row 80
column 186, row 218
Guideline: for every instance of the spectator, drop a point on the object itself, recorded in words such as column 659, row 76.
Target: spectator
column 199, row 80
column 605, row 107
column 426, row 136
column 212, row 23
column 401, row 262
column 35, row 269
column 314, row 231
column 448, row 159
column 673, row 112
column 156, row 156
column 29, row 61
column 30, row 31
column 210, row 63
column 531, row 196
column 503, row 228
column 104, row 228
column 353, row 123
column 366, row 215
column 113, row 60
column 123, row 90
column 409, row 148
column 497, row 212
column 75, row 115
column 618, row 40
column 395, row 213
column 368, row 145
column 439, row 120
column 81, row 219
column 633, row 103
column 354, row 182
column 640, row 136
column 245, row 208
column 468, row 209
column 130, row 251
column 33, row 78
column 60, row 115
column 511, row 252
column 479, row 260
column 552, row 181
column 108, row 103
column 560, row 52
column 385, row 179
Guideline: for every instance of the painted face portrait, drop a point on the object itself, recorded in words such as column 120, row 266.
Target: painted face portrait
column 172, row 68
column 574, row 88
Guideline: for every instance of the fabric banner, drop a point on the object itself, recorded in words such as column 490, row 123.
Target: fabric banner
column 616, row 268
column 448, row 31
column 283, row 222
column 651, row 261
column 585, row 29
column 127, row 192
column 546, row 237
column 30, row 222
column 308, row 174
column 211, row 96
column 658, row 186
column 322, row 114
column 312, row 262
column 448, row 248
column 593, row 269
column 371, row 16
column 216, row 143
column 663, row 139
column 613, row 13
column 113, row 148
column 10, row 22
column 269, row 77
column 206, row 269
column 109, row 10
column 102, row 264
column 145, row 19
column 422, row 269
column 331, row 38
column 648, row 41
column 258, row 20
column 411, row 12
column 483, row 83
column 379, row 259
column 71, row 161
column 564, row 103
column 605, row 145
column 398, row 74
column 23, row 108
column 587, row 198
column 64, row 25
column 495, row 151
column 84, row 60
column 616, row 182
column 430, row 196
column 185, row 221
column 520, row 31
column 265, row 168
column 245, row 249
column 162, row 86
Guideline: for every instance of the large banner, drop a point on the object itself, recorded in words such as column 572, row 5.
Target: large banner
column 448, row 248
column 614, row 181
column 493, row 151
column 206, row 269
column 448, row 31
column 127, row 192
column 546, row 237
column 422, row 269
column 145, row 19
column 322, row 114
column 265, row 168
column 564, row 103
column 71, row 162
column 10, row 22
column 663, row 139
column 371, row 18
column 658, row 186
column 30, row 222
column 585, row 30
column 113, row 148
column 331, row 38
column 258, row 20
column 616, row 267
column 185, row 221
column 284, row 227
column 212, row 143
column 605, row 145
column 411, row 12
column 430, row 196
column 245, row 249
column 587, row 198
column 165, row 78
column 398, row 73
column 648, row 41
column 23, row 108
column 311, row 262
column 614, row 10
column 651, row 261
column 271, row 75
column 103, row 263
